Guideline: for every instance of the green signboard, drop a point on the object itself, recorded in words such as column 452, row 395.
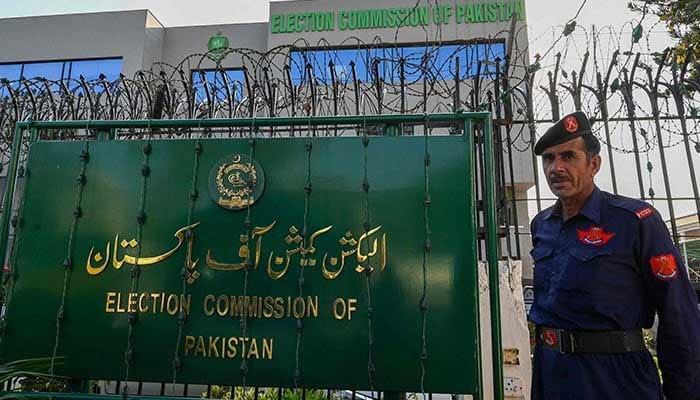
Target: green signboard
column 191, row 256
column 397, row 17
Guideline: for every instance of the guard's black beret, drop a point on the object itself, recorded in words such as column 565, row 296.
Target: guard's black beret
column 568, row 128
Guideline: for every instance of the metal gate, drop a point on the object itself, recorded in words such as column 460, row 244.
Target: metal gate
column 268, row 260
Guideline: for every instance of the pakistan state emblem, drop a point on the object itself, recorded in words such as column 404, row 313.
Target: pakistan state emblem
column 236, row 182
column 217, row 45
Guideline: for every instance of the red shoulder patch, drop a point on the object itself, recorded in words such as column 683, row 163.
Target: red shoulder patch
column 645, row 212
column 664, row 266
column 594, row 236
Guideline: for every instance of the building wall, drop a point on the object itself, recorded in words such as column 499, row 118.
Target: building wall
column 153, row 41
column 76, row 36
column 183, row 42
column 452, row 31
column 141, row 40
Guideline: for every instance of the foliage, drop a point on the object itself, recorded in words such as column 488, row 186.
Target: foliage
column 532, row 336
column 218, row 392
column 41, row 384
column 32, row 377
column 224, row 393
column 682, row 19
column 29, row 368
column 649, row 340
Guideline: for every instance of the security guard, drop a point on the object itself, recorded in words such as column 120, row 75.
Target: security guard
column 604, row 266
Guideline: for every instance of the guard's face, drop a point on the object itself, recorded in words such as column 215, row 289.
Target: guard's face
column 568, row 172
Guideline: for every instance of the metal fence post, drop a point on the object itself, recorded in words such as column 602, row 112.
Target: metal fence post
column 492, row 257
column 9, row 191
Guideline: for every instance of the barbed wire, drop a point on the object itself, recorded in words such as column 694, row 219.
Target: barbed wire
column 358, row 77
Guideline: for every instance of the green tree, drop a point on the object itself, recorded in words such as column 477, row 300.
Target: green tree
column 682, row 19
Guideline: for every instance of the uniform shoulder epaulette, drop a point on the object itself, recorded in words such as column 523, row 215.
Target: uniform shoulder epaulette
column 640, row 208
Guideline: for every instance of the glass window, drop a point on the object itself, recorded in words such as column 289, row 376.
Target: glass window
column 378, row 56
column 64, row 70
column 344, row 58
column 437, row 61
column 445, row 58
column 216, row 83
column 320, row 60
column 416, row 59
column 487, row 54
column 91, row 69
column 11, row 72
column 52, row 71
column 297, row 63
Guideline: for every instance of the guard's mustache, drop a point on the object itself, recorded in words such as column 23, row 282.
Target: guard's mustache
column 558, row 178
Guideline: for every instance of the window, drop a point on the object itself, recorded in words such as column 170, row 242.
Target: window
column 320, row 63
column 11, row 72
column 67, row 70
column 437, row 61
column 91, row 69
column 52, row 71
column 216, row 82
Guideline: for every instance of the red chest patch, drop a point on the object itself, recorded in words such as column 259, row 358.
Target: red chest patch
column 664, row 266
column 644, row 212
column 594, row 236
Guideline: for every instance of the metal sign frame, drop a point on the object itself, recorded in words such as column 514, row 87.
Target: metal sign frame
column 483, row 119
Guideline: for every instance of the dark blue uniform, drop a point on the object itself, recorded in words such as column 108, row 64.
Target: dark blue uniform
column 613, row 267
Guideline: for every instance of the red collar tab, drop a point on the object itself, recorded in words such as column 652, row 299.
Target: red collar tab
column 664, row 266
column 645, row 212
column 594, row 236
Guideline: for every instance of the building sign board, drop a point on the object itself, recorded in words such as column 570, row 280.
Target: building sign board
column 397, row 17
column 268, row 267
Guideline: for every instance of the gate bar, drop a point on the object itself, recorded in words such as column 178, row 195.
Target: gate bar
column 492, row 252
column 10, row 190
column 248, row 122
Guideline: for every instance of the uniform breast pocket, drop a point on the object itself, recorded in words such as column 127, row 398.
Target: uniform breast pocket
column 606, row 272
column 590, row 254
column 578, row 273
column 542, row 257
column 540, row 252
column 605, row 269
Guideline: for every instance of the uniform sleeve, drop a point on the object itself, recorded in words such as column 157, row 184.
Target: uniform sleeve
column 533, row 229
column 678, row 340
